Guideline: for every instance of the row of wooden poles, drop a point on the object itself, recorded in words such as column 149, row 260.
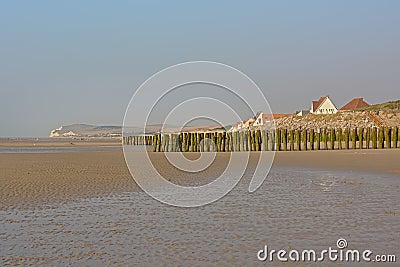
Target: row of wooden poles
column 264, row 140
column 138, row 140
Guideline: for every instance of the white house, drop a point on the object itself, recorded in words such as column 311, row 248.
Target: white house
column 236, row 127
column 303, row 112
column 323, row 106
column 262, row 118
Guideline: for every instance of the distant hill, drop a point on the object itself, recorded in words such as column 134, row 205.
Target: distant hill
column 87, row 130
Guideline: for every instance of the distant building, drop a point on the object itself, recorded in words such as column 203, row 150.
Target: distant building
column 303, row 112
column 323, row 106
column 247, row 124
column 263, row 118
column 355, row 103
column 236, row 127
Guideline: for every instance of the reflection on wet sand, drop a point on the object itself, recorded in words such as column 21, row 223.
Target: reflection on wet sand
column 292, row 209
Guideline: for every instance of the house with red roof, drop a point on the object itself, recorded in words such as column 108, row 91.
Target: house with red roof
column 355, row 103
column 323, row 106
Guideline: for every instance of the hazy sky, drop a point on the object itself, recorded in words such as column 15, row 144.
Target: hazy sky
column 64, row 62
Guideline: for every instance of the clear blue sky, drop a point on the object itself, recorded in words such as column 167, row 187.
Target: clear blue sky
column 64, row 62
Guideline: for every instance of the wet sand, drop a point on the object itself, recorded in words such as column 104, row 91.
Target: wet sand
column 83, row 208
column 28, row 179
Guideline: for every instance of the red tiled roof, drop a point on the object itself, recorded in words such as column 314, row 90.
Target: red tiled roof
column 317, row 104
column 355, row 103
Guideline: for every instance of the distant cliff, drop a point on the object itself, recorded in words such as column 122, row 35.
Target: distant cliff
column 86, row 130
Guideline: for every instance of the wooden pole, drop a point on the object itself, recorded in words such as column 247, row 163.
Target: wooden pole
column 380, row 137
column 347, row 138
column 291, row 140
column 284, row 139
column 155, row 143
column 277, row 140
column 388, row 140
column 374, row 137
column 312, row 135
column 367, row 137
column 298, row 141
column 339, row 138
column 361, row 138
column 395, row 136
column 353, row 138
column 333, row 138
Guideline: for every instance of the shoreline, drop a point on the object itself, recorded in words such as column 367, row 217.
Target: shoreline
column 59, row 142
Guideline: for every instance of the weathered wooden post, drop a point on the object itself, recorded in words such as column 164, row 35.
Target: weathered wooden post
column 249, row 140
column 238, row 138
column 374, row 137
column 234, row 141
column 353, row 138
column 395, row 136
column 272, row 138
column 332, row 141
column 347, row 138
column 305, row 142
column 243, row 140
column 230, row 143
column 367, row 137
column 258, row 140
column 247, row 144
column 298, row 141
column 291, row 136
column 155, row 143
column 172, row 142
column 312, row 137
column 184, row 137
column 325, row 138
column 159, row 145
column 177, row 143
column 219, row 141
column 209, row 142
column 380, row 137
column 207, row 137
column 388, row 140
column 339, row 138
column 263, row 139
column 239, row 141
column 278, row 140
column 225, row 136
column 361, row 138
column 284, row 139
column 166, row 143
column 222, row 149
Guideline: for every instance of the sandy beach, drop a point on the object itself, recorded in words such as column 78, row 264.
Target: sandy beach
column 88, row 200
column 29, row 179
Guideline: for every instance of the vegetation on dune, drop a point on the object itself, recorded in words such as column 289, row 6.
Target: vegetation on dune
column 386, row 106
